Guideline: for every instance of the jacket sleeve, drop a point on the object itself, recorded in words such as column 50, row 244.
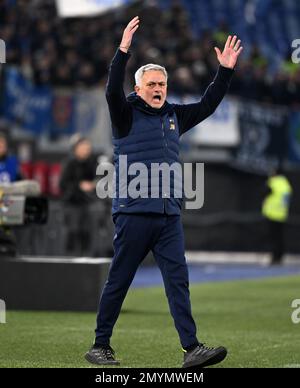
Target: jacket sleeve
column 68, row 184
column 119, row 108
column 190, row 115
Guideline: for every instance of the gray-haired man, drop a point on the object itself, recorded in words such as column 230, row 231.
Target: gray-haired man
column 146, row 128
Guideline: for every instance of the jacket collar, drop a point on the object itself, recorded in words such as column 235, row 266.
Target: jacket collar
column 142, row 106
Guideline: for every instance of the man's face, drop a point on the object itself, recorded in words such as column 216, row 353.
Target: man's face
column 153, row 88
column 83, row 150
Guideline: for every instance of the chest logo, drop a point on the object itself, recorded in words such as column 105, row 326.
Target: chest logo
column 172, row 124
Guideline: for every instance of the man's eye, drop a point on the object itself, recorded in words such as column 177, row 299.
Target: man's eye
column 152, row 84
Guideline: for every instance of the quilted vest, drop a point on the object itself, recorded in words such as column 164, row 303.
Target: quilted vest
column 152, row 140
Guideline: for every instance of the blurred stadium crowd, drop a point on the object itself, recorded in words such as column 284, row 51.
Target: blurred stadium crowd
column 66, row 61
column 77, row 51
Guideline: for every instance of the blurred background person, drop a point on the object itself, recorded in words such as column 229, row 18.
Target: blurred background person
column 9, row 164
column 78, row 185
column 9, row 173
column 276, row 210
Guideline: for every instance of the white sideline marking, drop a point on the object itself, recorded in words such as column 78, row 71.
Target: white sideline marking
column 236, row 258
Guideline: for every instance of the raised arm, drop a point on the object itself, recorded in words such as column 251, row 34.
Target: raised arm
column 190, row 115
column 128, row 33
column 119, row 108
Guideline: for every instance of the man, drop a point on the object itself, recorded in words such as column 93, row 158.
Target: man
column 77, row 184
column 146, row 128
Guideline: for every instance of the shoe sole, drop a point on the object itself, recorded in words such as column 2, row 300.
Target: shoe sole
column 215, row 359
column 93, row 361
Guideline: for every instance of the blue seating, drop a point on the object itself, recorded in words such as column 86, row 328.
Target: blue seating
column 277, row 21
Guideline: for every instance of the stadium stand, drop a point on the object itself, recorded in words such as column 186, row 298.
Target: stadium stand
column 53, row 85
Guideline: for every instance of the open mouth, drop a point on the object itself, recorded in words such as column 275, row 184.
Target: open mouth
column 157, row 98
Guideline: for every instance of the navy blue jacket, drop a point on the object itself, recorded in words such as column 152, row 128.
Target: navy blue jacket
column 149, row 135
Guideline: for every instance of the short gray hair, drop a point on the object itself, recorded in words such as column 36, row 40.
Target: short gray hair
column 151, row 66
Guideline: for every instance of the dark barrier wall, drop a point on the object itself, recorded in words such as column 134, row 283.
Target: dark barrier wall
column 56, row 284
column 229, row 220
column 231, row 216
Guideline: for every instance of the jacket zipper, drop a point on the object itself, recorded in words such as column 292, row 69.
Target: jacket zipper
column 165, row 145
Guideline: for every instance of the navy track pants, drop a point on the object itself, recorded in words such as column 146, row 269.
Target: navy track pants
column 135, row 236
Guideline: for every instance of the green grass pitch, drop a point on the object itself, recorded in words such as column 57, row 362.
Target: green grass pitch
column 252, row 318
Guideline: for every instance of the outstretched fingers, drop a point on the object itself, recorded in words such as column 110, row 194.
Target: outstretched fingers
column 239, row 51
column 237, row 45
column 218, row 52
column 130, row 29
column 134, row 29
column 133, row 24
column 227, row 44
column 233, row 40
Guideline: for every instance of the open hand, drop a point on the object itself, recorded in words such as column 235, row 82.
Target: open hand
column 132, row 26
column 231, row 51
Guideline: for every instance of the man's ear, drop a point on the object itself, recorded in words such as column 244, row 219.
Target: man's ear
column 137, row 88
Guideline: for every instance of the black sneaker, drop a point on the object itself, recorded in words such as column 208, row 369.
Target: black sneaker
column 203, row 356
column 101, row 356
